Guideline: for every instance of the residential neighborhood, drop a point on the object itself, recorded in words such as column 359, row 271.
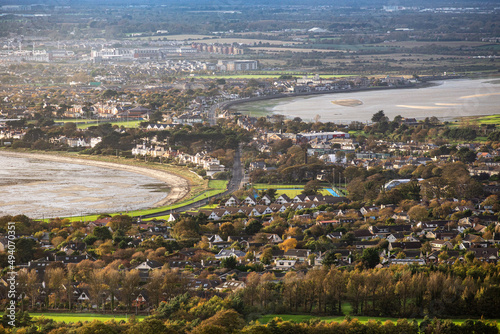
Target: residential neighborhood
column 245, row 167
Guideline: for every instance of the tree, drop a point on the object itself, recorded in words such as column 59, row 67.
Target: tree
column 55, row 278
column 266, row 256
column 112, row 278
column 150, row 326
column 466, row 155
column 102, row 233
column 418, row 213
column 121, row 222
column 223, row 322
column 25, row 249
column 229, row 262
column 379, row 117
column 27, row 284
column 97, row 287
column 370, row 257
column 226, row 230
column 288, row 244
column 130, row 284
column 312, row 187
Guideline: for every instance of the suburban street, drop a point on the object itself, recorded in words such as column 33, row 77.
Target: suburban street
column 237, row 180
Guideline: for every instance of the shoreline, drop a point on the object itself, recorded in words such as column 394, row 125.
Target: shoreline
column 296, row 105
column 178, row 186
column 228, row 105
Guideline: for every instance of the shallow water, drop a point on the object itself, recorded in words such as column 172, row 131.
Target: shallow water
column 447, row 100
column 39, row 188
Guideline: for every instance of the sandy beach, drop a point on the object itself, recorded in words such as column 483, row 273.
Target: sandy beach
column 179, row 187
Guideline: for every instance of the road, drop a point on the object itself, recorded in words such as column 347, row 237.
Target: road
column 237, row 179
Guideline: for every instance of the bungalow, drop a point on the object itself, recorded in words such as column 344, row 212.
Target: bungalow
column 225, row 253
column 405, row 245
column 326, row 223
column 149, row 265
column 485, row 254
column 439, row 244
column 334, row 235
column 201, row 284
column 284, row 264
column 365, row 244
column 275, row 254
column 71, row 258
column 363, row 234
column 297, row 254
column 406, row 262
column 274, row 239
column 230, row 285
column 432, row 225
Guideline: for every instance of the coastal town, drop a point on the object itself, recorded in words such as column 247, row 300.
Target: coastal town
column 267, row 222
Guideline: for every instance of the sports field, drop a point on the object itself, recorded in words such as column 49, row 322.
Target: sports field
column 84, row 124
column 83, row 317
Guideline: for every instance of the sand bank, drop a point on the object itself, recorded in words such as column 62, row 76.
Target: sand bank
column 179, row 187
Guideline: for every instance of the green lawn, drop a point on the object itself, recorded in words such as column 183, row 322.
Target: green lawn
column 302, row 317
column 479, row 120
column 83, row 317
column 84, row 124
column 291, row 190
column 215, row 187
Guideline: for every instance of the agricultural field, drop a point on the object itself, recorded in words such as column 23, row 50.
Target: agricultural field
column 451, row 44
column 84, row 317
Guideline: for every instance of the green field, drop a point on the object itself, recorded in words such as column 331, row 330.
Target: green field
column 83, row 317
column 302, row 317
column 84, row 124
column 291, row 190
column 492, row 119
